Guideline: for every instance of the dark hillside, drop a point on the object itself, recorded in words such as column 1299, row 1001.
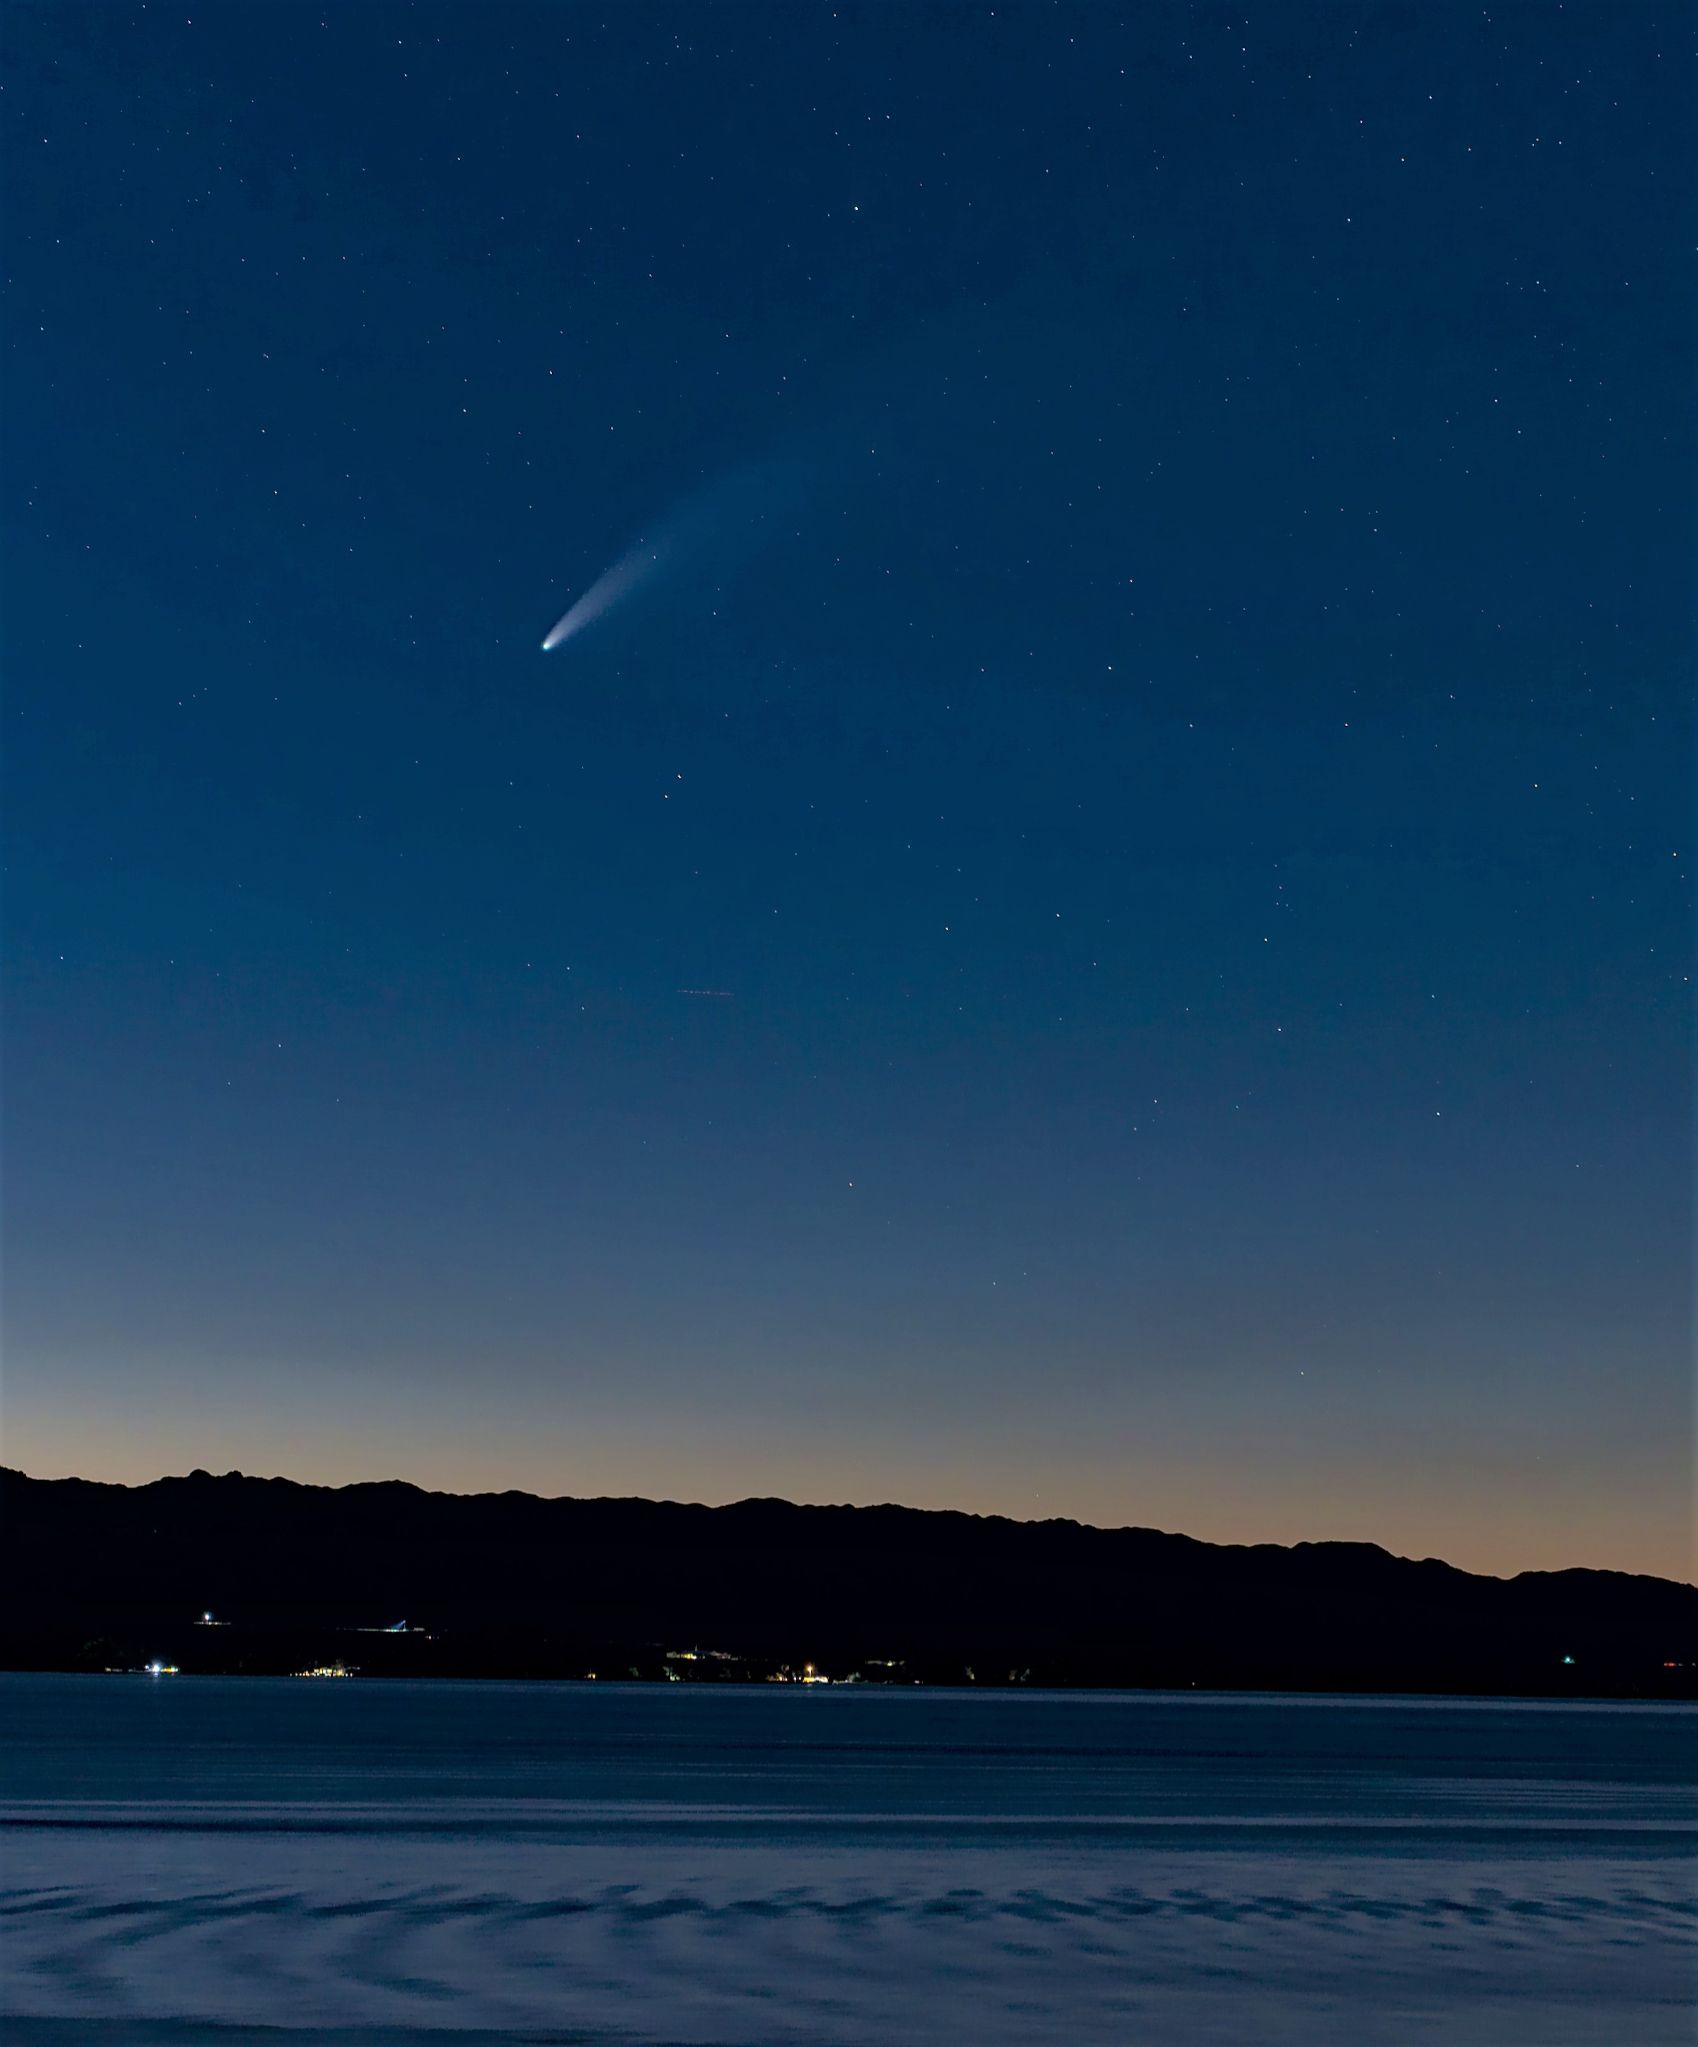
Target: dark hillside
column 508, row 1582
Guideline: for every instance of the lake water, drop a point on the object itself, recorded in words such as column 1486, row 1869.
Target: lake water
column 200, row 1859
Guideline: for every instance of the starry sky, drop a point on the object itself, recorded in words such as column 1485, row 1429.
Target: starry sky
column 1106, row 930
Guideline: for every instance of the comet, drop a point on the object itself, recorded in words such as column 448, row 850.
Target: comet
column 606, row 591
column 710, row 532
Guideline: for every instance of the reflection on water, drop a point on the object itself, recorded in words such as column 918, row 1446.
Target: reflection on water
column 191, row 1858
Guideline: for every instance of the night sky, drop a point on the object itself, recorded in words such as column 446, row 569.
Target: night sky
column 1106, row 933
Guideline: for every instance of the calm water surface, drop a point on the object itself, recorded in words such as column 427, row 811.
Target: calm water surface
column 235, row 1860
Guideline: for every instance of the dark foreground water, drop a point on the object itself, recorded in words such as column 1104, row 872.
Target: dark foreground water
column 195, row 1859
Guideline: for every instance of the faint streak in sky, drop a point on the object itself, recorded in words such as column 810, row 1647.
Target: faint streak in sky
column 605, row 591
column 717, row 525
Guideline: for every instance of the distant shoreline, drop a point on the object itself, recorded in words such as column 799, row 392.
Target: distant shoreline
column 240, row 1576
column 1578, row 1699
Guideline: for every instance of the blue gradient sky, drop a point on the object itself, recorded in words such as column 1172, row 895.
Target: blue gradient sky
column 1170, row 736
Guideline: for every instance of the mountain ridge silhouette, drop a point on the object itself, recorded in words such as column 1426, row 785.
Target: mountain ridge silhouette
column 518, row 1584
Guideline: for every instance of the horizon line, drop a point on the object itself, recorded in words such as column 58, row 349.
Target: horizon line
column 831, row 1507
